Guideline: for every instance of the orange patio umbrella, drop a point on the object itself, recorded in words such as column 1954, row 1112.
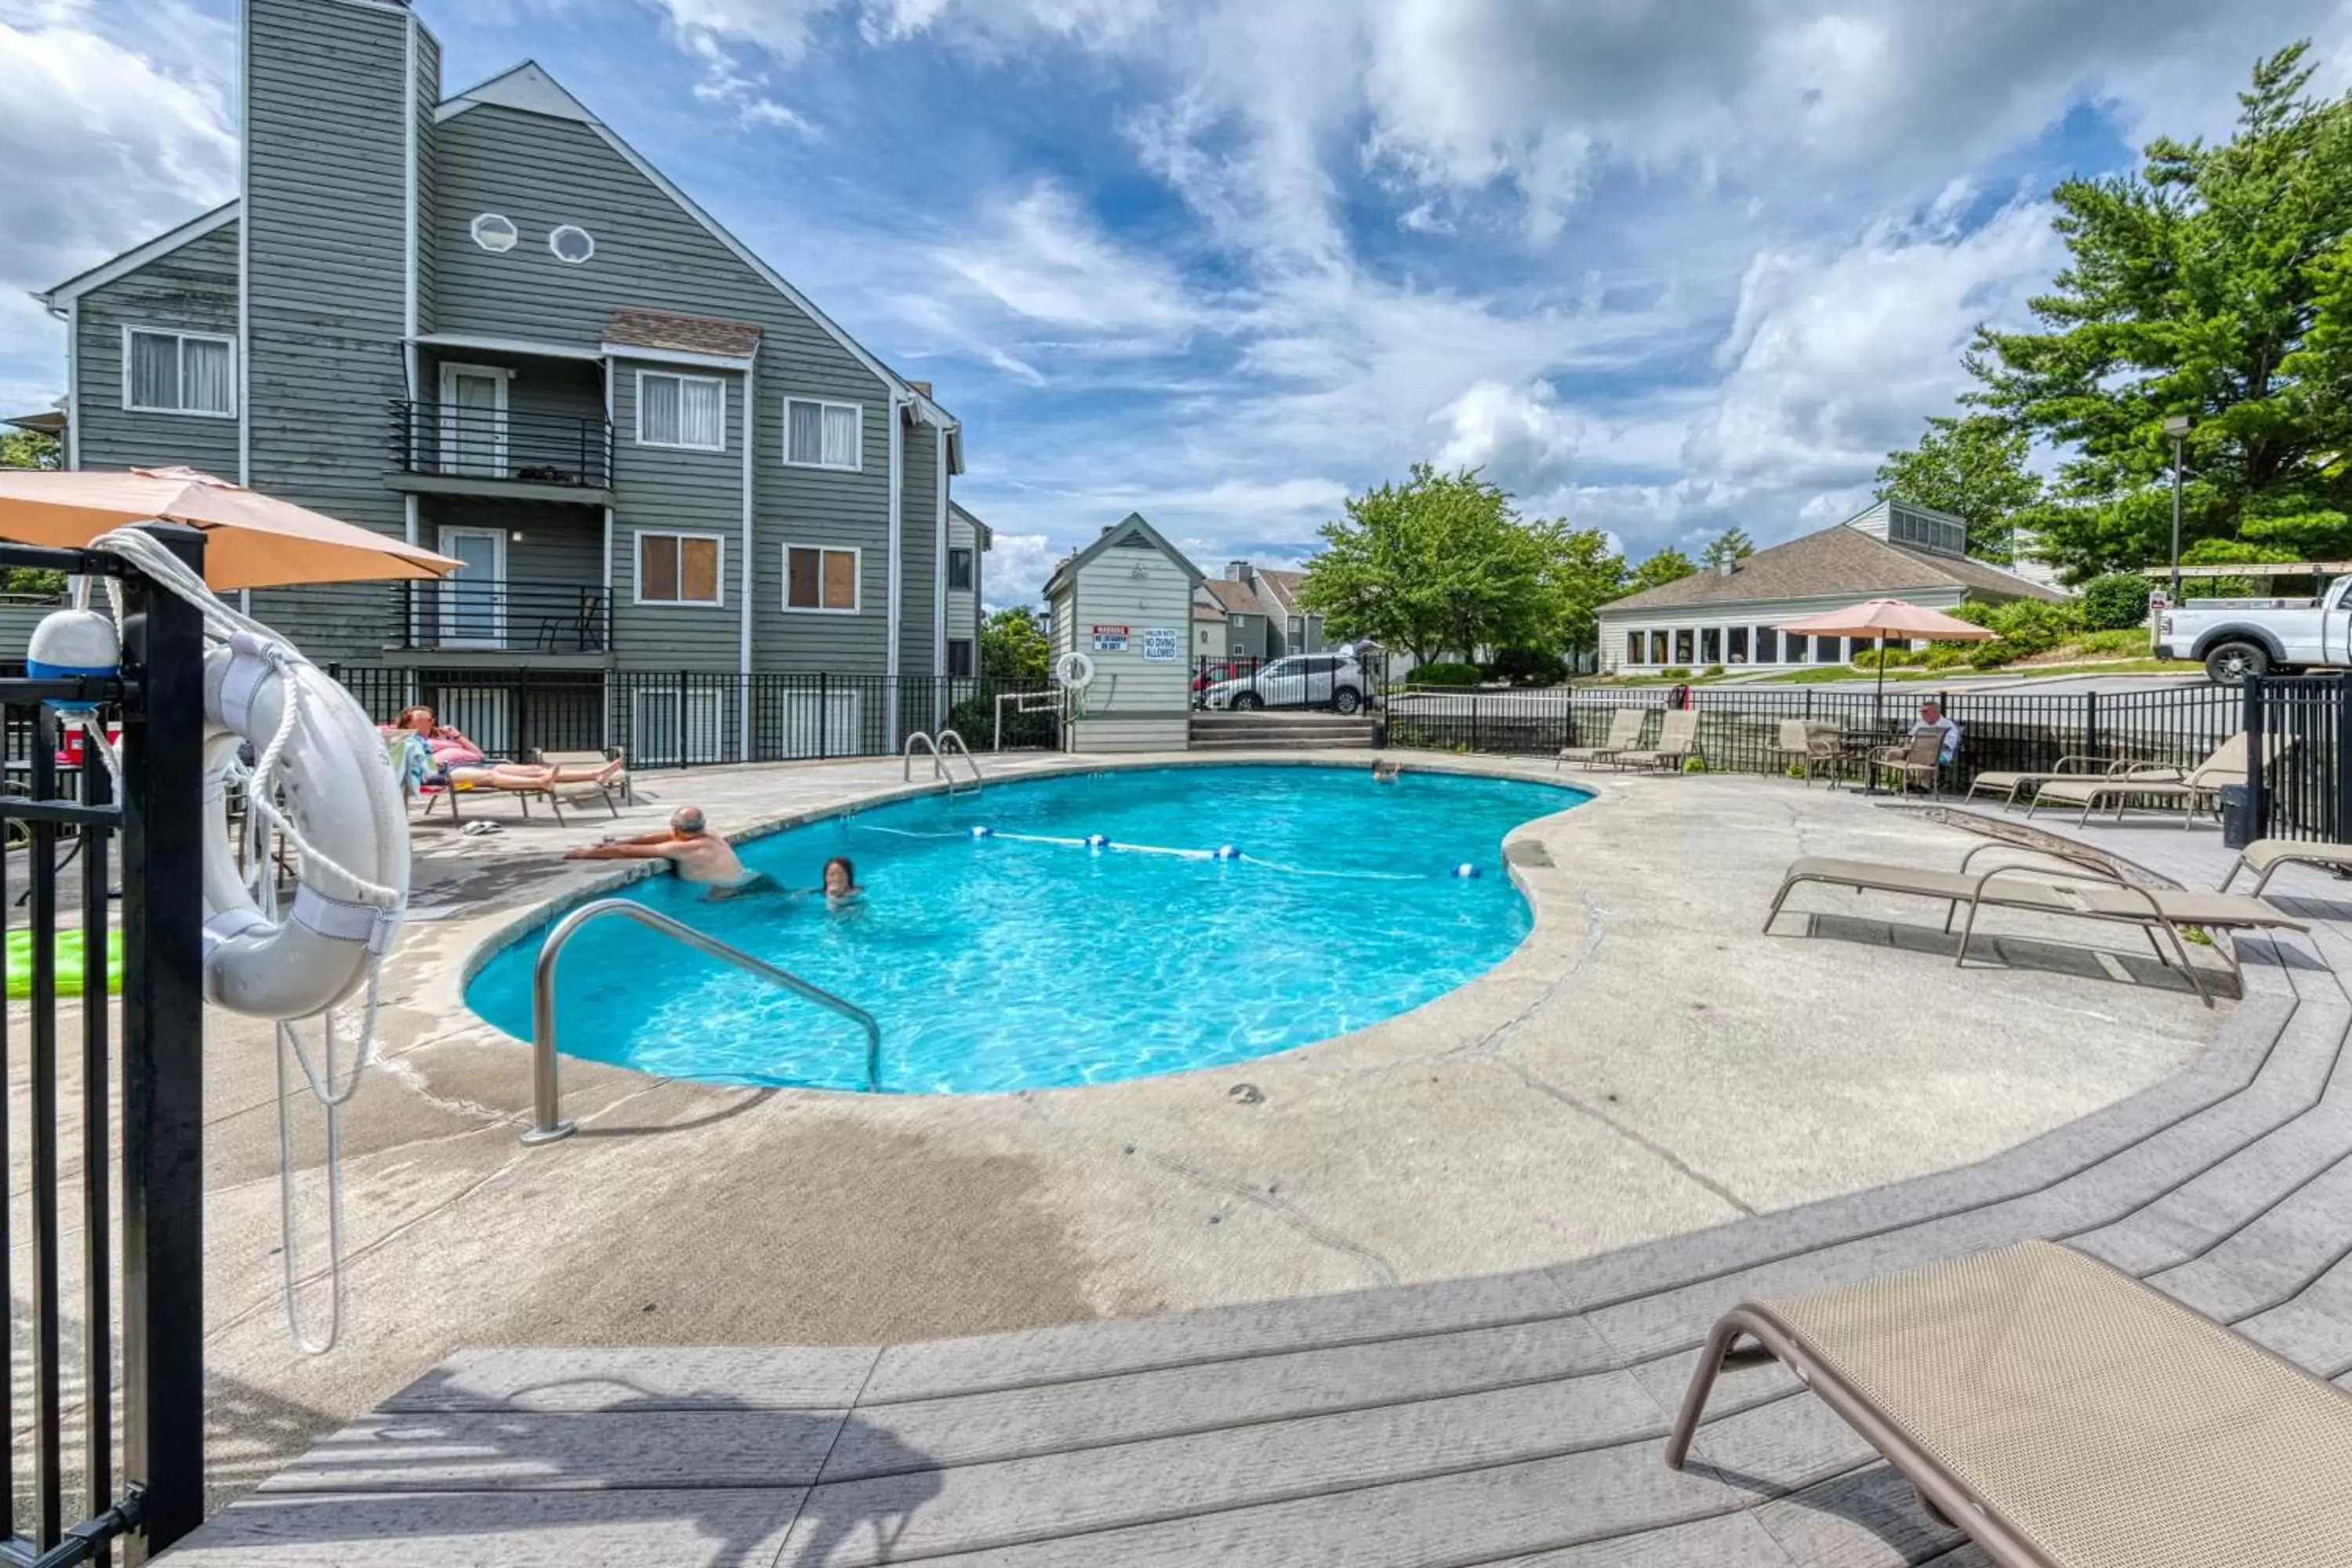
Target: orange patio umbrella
column 252, row 539
column 1886, row 618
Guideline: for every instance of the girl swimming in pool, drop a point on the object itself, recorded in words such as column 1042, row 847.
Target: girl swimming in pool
column 840, row 882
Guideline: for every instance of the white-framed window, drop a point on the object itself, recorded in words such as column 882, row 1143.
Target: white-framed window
column 821, row 579
column 571, row 242
column 819, row 435
column 179, row 373
column 960, row 568
column 675, row 410
column 495, row 233
column 681, row 568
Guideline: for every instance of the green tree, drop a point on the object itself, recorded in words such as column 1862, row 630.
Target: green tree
column 1014, row 645
column 1581, row 574
column 1732, row 545
column 2209, row 283
column 1668, row 565
column 1973, row 468
column 29, row 449
column 1440, row 562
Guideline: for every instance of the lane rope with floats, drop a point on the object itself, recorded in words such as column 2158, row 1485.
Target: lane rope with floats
column 320, row 782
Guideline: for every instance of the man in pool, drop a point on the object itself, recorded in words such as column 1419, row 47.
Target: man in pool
column 694, row 852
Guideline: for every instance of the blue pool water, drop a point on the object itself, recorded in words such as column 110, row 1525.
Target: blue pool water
column 1005, row 962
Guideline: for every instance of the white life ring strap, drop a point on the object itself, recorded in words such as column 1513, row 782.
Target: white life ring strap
column 250, row 664
column 230, row 925
column 344, row 919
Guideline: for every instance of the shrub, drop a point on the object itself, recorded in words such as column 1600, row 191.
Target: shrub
column 1890, row 658
column 1948, row 655
column 1994, row 654
column 2034, row 626
column 1525, row 666
column 2114, row 601
column 1694, row 764
column 1443, row 673
column 2131, row 640
column 1677, row 672
column 1710, row 672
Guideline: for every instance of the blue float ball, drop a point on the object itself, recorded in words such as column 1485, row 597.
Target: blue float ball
column 1466, row 871
column 983, row 833
column 1097, row 841
column 1227, row 852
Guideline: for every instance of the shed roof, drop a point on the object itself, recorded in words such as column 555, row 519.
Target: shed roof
column 1132, row 526
column 1834, row 562
column 682, row 334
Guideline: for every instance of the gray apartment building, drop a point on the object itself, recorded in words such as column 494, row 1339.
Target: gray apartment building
column 485, row 323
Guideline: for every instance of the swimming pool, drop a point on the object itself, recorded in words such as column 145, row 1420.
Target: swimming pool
column 1027, row 957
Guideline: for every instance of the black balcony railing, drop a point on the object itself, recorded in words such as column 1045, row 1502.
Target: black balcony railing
column 461, row 441
column 467, row 611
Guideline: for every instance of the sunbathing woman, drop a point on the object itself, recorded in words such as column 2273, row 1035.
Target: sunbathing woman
column 457, row 760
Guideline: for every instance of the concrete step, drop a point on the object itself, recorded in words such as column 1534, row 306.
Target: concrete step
column 1247, row 732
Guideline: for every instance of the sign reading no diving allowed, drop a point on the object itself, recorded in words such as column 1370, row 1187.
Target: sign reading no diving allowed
column 1159, row 644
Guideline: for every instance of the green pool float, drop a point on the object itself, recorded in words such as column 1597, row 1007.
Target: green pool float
column 69, row 954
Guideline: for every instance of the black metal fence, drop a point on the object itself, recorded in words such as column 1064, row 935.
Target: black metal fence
column 78, row 1481
column 1328, row 682
column 462, row 440
column 2307, row 722
column 517, row 614
column 694, row 717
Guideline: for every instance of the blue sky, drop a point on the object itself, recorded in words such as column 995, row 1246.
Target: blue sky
column 1657, row 268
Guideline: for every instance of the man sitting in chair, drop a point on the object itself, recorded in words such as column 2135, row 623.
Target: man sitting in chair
column 1931, row 718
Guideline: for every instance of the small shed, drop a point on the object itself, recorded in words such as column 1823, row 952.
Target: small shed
column 1126, row 602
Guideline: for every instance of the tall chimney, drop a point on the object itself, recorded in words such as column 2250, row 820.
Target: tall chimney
column 1240, row 572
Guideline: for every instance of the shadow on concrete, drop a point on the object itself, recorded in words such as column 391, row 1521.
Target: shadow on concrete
column 751, row 1098
column 587, row 1470
column 1995, row 950
column 1875, row 1497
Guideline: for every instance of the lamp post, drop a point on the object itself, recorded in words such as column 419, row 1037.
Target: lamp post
column 2177, row 428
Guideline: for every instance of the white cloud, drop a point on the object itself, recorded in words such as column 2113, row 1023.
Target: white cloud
column 1017, row 568
column 1519, row 436
column 1047, row 262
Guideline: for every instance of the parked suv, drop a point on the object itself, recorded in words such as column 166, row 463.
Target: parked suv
column 1303, row 680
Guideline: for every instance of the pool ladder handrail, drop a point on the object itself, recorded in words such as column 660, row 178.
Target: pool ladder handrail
column 547, row 1124
column 949, row 744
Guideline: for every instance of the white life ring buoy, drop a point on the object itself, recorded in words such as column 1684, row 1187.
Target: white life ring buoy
column 339, row 795
column 1075, row 670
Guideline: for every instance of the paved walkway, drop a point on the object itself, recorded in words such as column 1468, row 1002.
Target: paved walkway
column 1509, row 1418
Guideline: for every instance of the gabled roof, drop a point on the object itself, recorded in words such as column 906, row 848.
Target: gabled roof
column 1836, row 562
column 1129, row 531
column 1282, row 587
column 682, row 334
column 1237, row 597
column 530, row 90
column 1204, row 604
column 985, row 534
column 139, row 255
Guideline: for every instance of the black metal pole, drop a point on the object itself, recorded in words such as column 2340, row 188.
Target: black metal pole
column 162, row 1057
column 2176, row 520
column 2340, row 830
column 2258, row 804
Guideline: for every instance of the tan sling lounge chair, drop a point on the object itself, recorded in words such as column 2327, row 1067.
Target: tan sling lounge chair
column 2264, row 856
column 1678, row 741
column 1625, row 735
column 1810, row 744
column 2065, row 1415
column 2074, row 768
column 2050, row 891
column 1919, row 757
column 2201, row 789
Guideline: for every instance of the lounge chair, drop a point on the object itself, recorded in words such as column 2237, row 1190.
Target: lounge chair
column 2264, row 856
column 2050, row 891
column 1809, row 743
column 582, row 775
column 2059, row 1412
column 1678, row 742
column 1624, row 733
column 2008, row 785
column 2199, row 788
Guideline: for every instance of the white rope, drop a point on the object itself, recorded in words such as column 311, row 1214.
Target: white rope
column 221, row 623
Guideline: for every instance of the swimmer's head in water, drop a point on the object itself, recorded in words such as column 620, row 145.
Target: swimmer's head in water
column 840, row 876
column 687, row 822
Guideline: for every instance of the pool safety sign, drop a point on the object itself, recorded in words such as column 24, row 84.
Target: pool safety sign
column 1110, row 639
column 1159, row 644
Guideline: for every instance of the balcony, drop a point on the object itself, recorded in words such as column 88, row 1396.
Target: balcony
column 504, row 615
column 469, row 449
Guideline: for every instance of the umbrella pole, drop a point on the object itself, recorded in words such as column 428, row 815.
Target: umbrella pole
column 1878, row 697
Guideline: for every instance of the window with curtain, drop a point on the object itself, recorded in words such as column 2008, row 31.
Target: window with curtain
column 681, row 411
column 678, row 568
column 822, row 434
column 178, row 372
column 816, row 578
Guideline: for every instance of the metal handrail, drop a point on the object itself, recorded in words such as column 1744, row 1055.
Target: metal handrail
column 951, row 744
column 547, row 1126
column 907, row 768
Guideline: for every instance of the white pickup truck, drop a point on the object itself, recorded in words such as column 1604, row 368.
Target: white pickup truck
column 2239, row 637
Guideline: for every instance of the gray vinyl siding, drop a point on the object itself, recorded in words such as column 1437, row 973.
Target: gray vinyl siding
column 427, row 87
column 963, row 604
column 192, row 288
column 542, row 172
column 665, row 490
column 918, row 542
column 326, row 248
column 560, row 545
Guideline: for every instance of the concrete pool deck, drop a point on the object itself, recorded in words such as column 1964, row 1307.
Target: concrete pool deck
column 1646, row 1065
